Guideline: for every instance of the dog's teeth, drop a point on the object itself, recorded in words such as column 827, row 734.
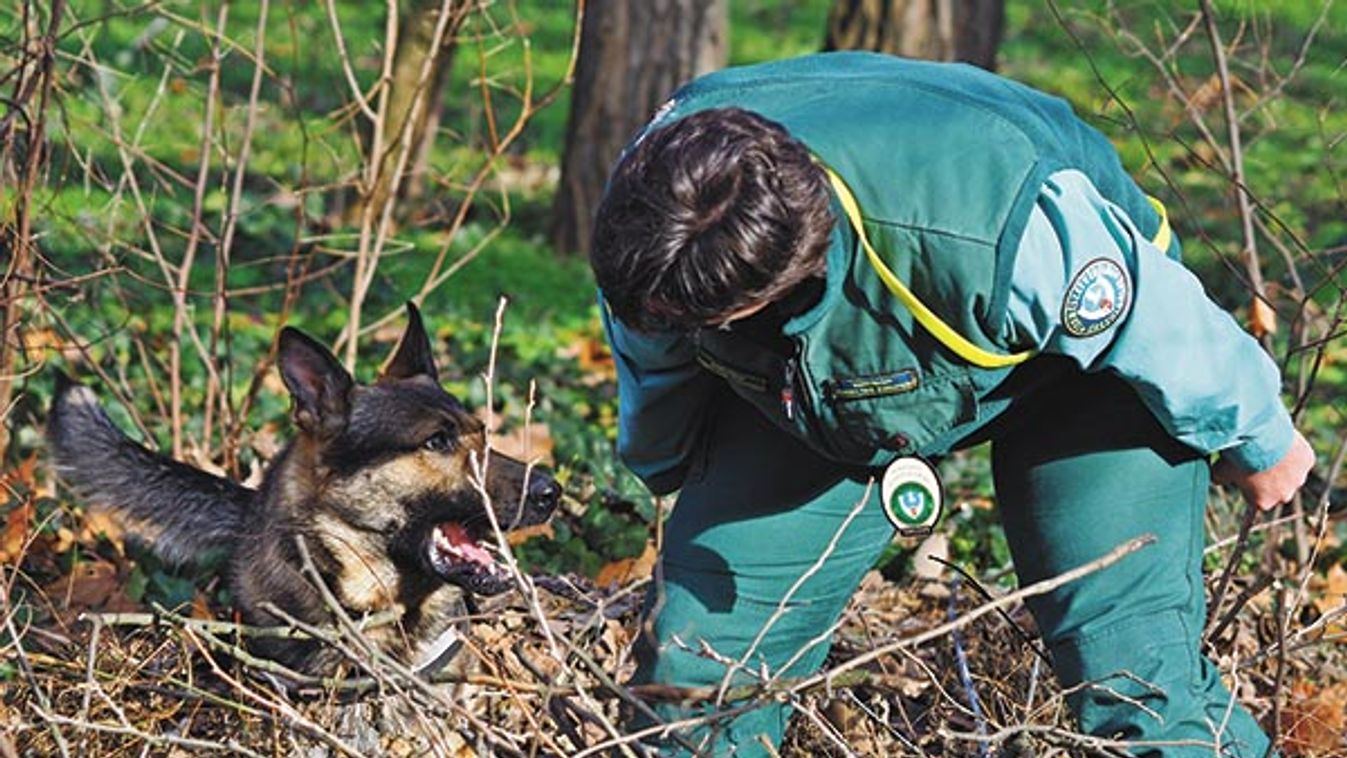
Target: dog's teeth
column 452, row 540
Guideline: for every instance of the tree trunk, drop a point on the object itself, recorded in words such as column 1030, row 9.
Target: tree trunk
column 633, row 54
column 23, row 156
column 942, row 30
column 412, row 97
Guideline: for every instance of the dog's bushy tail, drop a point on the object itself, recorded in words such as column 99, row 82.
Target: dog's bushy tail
column 179, row 510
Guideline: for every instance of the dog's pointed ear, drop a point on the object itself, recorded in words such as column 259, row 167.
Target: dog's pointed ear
column 413, row 356
column 320, row 387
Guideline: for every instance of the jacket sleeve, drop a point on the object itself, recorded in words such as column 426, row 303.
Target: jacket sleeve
column 662, row 397
column 1086, row 284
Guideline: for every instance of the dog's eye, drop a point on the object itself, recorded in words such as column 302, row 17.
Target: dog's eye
column 440, row 442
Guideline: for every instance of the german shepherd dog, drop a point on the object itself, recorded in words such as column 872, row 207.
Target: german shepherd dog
column 384, row 484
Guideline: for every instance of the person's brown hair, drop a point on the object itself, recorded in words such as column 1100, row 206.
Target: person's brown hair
column 708, row 215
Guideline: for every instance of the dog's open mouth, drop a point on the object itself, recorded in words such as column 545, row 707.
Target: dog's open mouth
column 460, row 558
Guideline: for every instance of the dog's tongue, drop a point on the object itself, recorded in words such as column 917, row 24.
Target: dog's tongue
column 453, row 539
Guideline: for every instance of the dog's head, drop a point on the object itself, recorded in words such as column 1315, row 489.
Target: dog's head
column 399, row 479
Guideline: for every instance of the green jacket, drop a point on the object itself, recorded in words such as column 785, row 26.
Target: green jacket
column 1004, row 214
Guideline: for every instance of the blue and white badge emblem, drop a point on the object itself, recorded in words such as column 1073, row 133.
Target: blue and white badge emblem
column 1096, row 298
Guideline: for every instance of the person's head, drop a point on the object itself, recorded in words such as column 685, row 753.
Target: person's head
column 715, row 213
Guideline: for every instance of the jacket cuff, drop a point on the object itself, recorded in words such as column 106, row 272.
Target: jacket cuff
column 650, row 351
column 1265, row 446
column 662, row 476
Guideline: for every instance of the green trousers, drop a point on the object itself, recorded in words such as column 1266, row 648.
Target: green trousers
column 768, row 541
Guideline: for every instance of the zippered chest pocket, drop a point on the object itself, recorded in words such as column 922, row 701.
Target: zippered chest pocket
column 898, row 410
column 771, row 383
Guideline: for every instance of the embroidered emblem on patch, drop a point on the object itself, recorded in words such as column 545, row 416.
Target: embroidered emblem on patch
column 1096, row 299
column 912, row 496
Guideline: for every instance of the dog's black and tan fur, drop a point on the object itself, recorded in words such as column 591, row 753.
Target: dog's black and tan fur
column 379, row 483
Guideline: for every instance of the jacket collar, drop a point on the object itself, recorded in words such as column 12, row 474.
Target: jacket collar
column 840, row 250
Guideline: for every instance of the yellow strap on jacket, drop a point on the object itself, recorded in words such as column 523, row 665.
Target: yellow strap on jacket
column 1163, row 235
column 943, row 332
column 924, row 316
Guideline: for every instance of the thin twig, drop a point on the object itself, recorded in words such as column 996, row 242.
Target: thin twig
column 1249, row 252
column 783, row 605
column 1279, row 597
column 184, row 267
column 43, row 706
column 1321, row 517
column 1024, row 636
column 1248, row 593
column 1241, row 544
column 156, row 740
column 90, row 682
column 1033, row 590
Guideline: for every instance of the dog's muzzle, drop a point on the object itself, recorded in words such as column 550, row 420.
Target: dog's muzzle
column 466, row 554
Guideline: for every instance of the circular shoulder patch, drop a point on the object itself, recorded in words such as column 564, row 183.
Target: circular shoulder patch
column 1096, row 298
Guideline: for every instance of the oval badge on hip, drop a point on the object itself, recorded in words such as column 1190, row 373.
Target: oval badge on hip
column 912, row 496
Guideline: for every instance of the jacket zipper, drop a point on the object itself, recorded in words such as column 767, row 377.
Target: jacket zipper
column 797, row 400
column 753, row 382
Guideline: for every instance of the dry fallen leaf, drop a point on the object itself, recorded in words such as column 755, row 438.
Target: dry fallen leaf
column 1262, row 318
column 1210, row 93
column 200, row 458
column 92, row 586
column 1330, row 591
column 628, row 569
column 18, row 483
column 979, row 502
column 37, row 340
column 201, row 607
column 595, row 360
column 18, row 525
column 1207, row 95
column 25, row 473
column 520, row 536
column 1328, row 594
column 1315, row 720
column 616, row 637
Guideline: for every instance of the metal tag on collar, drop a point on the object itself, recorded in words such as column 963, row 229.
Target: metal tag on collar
column 912, row 496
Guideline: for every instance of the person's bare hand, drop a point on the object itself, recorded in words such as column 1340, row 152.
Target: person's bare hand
column 1272, row 487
